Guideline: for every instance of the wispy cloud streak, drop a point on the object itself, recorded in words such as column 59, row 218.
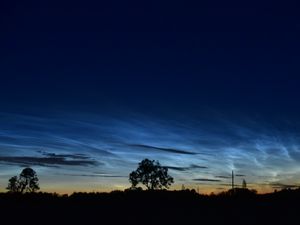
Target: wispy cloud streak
column 190, row 148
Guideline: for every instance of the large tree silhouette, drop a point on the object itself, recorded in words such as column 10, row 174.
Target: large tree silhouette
column 151, row 174
column 26, row 182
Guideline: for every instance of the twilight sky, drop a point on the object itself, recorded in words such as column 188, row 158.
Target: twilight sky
column 88, row 90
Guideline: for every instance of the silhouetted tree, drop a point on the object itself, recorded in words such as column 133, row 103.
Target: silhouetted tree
column 26, row 182
column 151, row 174
column 13, row 184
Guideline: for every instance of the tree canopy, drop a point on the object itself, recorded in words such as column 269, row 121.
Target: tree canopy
column 26, row 182
column 151, row 174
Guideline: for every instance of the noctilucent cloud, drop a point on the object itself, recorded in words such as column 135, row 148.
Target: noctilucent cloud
column 89, row 90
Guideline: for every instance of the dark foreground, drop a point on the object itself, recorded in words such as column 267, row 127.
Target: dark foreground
column 161, row 207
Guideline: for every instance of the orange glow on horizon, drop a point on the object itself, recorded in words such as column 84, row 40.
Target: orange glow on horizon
column 201, row 189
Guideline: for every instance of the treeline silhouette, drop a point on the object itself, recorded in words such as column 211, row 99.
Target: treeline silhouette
column 23, row 204
column 239, row 206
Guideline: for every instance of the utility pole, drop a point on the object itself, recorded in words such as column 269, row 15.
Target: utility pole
column 244, row 185
column 232, row 180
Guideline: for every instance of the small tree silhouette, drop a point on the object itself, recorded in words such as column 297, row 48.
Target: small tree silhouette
column 26, row 182
column 13, row 184
column 151, row 174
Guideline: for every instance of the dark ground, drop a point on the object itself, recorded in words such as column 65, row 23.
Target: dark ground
column 145, row 207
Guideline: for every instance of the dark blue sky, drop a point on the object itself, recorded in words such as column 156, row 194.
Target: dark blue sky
column 103, row 86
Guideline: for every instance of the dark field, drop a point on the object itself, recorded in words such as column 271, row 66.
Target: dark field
column 157, row 207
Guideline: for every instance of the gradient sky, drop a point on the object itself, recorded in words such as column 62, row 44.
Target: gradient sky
column 88, row 90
